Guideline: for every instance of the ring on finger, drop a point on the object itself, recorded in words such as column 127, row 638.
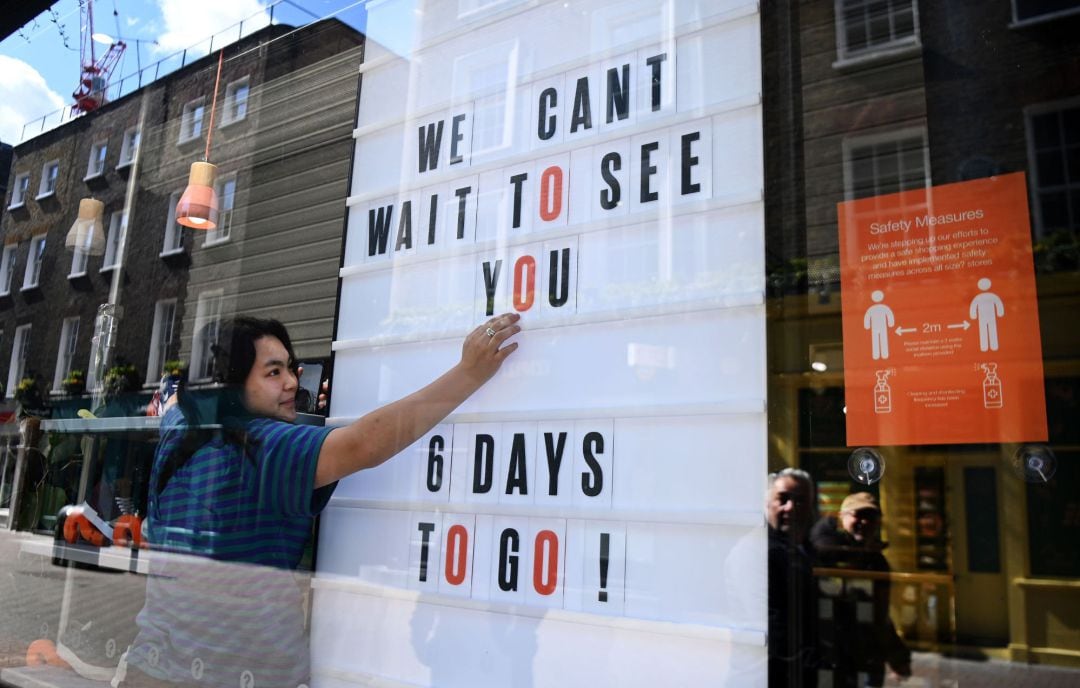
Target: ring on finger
column 489, row 332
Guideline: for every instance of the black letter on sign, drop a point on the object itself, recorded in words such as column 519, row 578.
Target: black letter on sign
column 545, row 124
column 491, row 281
column 554, row 460
column 582, row 117
column 404, row 233
column 592, row 484
column 618, row 100
column 433, row 213
column 429, row 146
column 647, row 170
column 435, row 463
column 655, row 62
column 517, row 477
column 517, row 180
column 689, row 160
column 461, row 194
column 379, row 228
column 561, row 276
column 483, row 464
column 508, row 560
column 455, row 138
column 610, row 199
column 426, row 529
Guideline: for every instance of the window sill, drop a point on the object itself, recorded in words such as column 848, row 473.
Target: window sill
column 170, row 253
column 107, row 268
column 183, row 141
column 124, row 164
column 28, row 287
column 76, row 275
column 873, row 56
column 5, row 293
column 16, row 206
column 229, row 122
column 45, row 195
column 92, row 177
column 211, row 243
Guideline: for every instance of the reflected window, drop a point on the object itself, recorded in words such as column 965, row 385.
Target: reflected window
column 95, row 349
column 49, row 174
column 7, row 267
column 1054, row 145
column 79, row 259
column 117, row 226
column 207, row 324
column 19, row 349
column 160, row 339
column 33, row 262
column 69, row 339
column 174, row 231
column 129, row 147
column 867, row 26
column 226, row 193
column 191, row 121
column 18, row 193
column 885, row 163
column 96, row 166
column 1036, row 9
column 236, row 101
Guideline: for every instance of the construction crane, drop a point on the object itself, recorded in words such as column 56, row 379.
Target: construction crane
column 94, row 79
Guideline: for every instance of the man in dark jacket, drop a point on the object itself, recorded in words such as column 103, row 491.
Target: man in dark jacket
column 789, row 509
column 862, row 637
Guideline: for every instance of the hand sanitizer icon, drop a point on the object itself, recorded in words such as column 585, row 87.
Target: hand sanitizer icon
column 991, row 387
column 882, row 393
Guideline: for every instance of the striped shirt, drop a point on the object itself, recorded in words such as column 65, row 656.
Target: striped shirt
column 234, row 606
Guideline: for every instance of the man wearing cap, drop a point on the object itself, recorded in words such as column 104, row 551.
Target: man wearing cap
column 863, row 637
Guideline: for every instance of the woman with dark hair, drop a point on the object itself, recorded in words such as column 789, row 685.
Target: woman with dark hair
column 233, row 491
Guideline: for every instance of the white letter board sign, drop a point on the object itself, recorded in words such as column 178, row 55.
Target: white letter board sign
column 592, row 516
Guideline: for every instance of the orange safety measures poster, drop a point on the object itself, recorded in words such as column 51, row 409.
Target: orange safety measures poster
column 941, row 323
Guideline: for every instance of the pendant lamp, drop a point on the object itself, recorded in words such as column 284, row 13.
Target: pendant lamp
column 87, row 232
column 198, row 206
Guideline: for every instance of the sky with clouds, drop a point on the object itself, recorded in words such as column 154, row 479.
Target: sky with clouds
column 40, row 63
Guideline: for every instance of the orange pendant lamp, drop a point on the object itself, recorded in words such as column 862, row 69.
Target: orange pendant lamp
column 87, row 233
column 198, row 206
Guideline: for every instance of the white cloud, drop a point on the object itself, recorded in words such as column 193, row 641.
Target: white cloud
column 24, row 96
column 189, row 23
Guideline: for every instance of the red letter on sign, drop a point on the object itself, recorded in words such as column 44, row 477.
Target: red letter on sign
column 551, row 193
column 546, row 537
column 457, row 541
column 524, row 285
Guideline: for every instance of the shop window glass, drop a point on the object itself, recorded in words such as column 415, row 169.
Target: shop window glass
column 1034, row 9
column 1054, row 139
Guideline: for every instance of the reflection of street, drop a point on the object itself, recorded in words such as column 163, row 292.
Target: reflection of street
column 932, row 670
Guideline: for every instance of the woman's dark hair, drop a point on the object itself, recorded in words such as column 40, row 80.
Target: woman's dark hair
column 221, row 409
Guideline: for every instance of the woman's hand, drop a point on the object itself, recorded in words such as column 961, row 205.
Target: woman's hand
column 485, row 348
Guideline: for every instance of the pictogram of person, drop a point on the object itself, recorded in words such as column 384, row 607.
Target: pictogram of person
column 878, row 319
column 987, row 307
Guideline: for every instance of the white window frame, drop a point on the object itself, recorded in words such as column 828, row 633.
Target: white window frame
column 226, row 210
column 229, row 114
column 893, row 47
column 79, row 260
column 7, row 267
column 160, row 338
column 1036, row 185
column 47, row 187
column 19, row 348
column 188, row 120
column 65, row 353
column 173, row 243
column 95, row 347
column 207, row 311
column 117, row 229
column 851, row 143
column 1040, row 18
column 95, row 167
column 19, row 190
column 129, row 148
column 32, row 274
